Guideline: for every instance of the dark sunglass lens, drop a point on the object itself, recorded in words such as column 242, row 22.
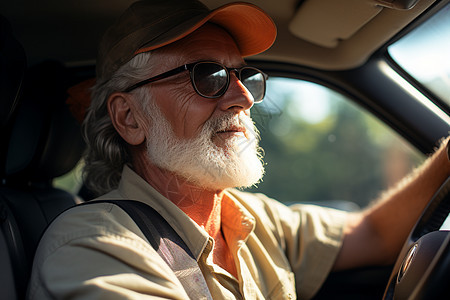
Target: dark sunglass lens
column 255, row 82
column 209, row 79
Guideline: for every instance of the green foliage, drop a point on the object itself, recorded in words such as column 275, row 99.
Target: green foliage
column 342, row 153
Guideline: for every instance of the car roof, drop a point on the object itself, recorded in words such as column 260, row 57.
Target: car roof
column 324, row 34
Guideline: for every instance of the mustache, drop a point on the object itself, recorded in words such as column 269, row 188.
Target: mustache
column 231, row 122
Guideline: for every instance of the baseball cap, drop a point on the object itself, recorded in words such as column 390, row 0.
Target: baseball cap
column 150, row 24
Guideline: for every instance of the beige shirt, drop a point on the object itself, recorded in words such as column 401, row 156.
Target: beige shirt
column 97, row 251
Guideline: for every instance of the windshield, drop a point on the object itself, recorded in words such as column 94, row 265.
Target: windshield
column 425, row 54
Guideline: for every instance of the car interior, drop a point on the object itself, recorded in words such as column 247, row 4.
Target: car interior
column 343, row 46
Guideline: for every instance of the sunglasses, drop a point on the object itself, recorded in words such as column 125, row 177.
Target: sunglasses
column 211, row 79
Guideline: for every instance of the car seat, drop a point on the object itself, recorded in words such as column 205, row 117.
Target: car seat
column 40, row 141
column 12, row 71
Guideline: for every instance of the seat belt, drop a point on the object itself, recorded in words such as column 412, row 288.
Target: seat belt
column 169, row 245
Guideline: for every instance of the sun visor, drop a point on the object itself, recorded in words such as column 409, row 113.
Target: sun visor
column 327, row 22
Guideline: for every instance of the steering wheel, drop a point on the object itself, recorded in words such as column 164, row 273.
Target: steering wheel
column 422, row 270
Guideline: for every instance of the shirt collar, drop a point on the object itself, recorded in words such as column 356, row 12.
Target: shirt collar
column 237, row 222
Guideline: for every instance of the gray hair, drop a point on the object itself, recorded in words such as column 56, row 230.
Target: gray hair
column 107, row 152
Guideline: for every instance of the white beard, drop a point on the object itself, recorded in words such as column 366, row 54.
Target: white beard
column 237, row 163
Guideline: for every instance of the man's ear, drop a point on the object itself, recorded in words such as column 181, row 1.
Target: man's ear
column 122, row 111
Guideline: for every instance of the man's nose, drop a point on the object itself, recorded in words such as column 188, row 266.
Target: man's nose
column 237, row 97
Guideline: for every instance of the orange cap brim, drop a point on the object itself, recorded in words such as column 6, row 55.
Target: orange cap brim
column 251, row 28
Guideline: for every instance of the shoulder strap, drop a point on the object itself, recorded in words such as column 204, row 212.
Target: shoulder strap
column 169, row 245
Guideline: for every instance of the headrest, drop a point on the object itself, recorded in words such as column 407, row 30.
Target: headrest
column 45, row 139
column 12, row 71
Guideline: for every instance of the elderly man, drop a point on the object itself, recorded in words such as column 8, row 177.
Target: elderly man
column 169, row 126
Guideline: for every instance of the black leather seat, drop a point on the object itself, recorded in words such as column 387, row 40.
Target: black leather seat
column 12, row 72
column 40, row 141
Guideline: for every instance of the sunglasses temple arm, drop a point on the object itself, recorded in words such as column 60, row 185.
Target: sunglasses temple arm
column 156, row 78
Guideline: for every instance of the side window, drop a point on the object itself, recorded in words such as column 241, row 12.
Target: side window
column 71, row 181
column 321, row 147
